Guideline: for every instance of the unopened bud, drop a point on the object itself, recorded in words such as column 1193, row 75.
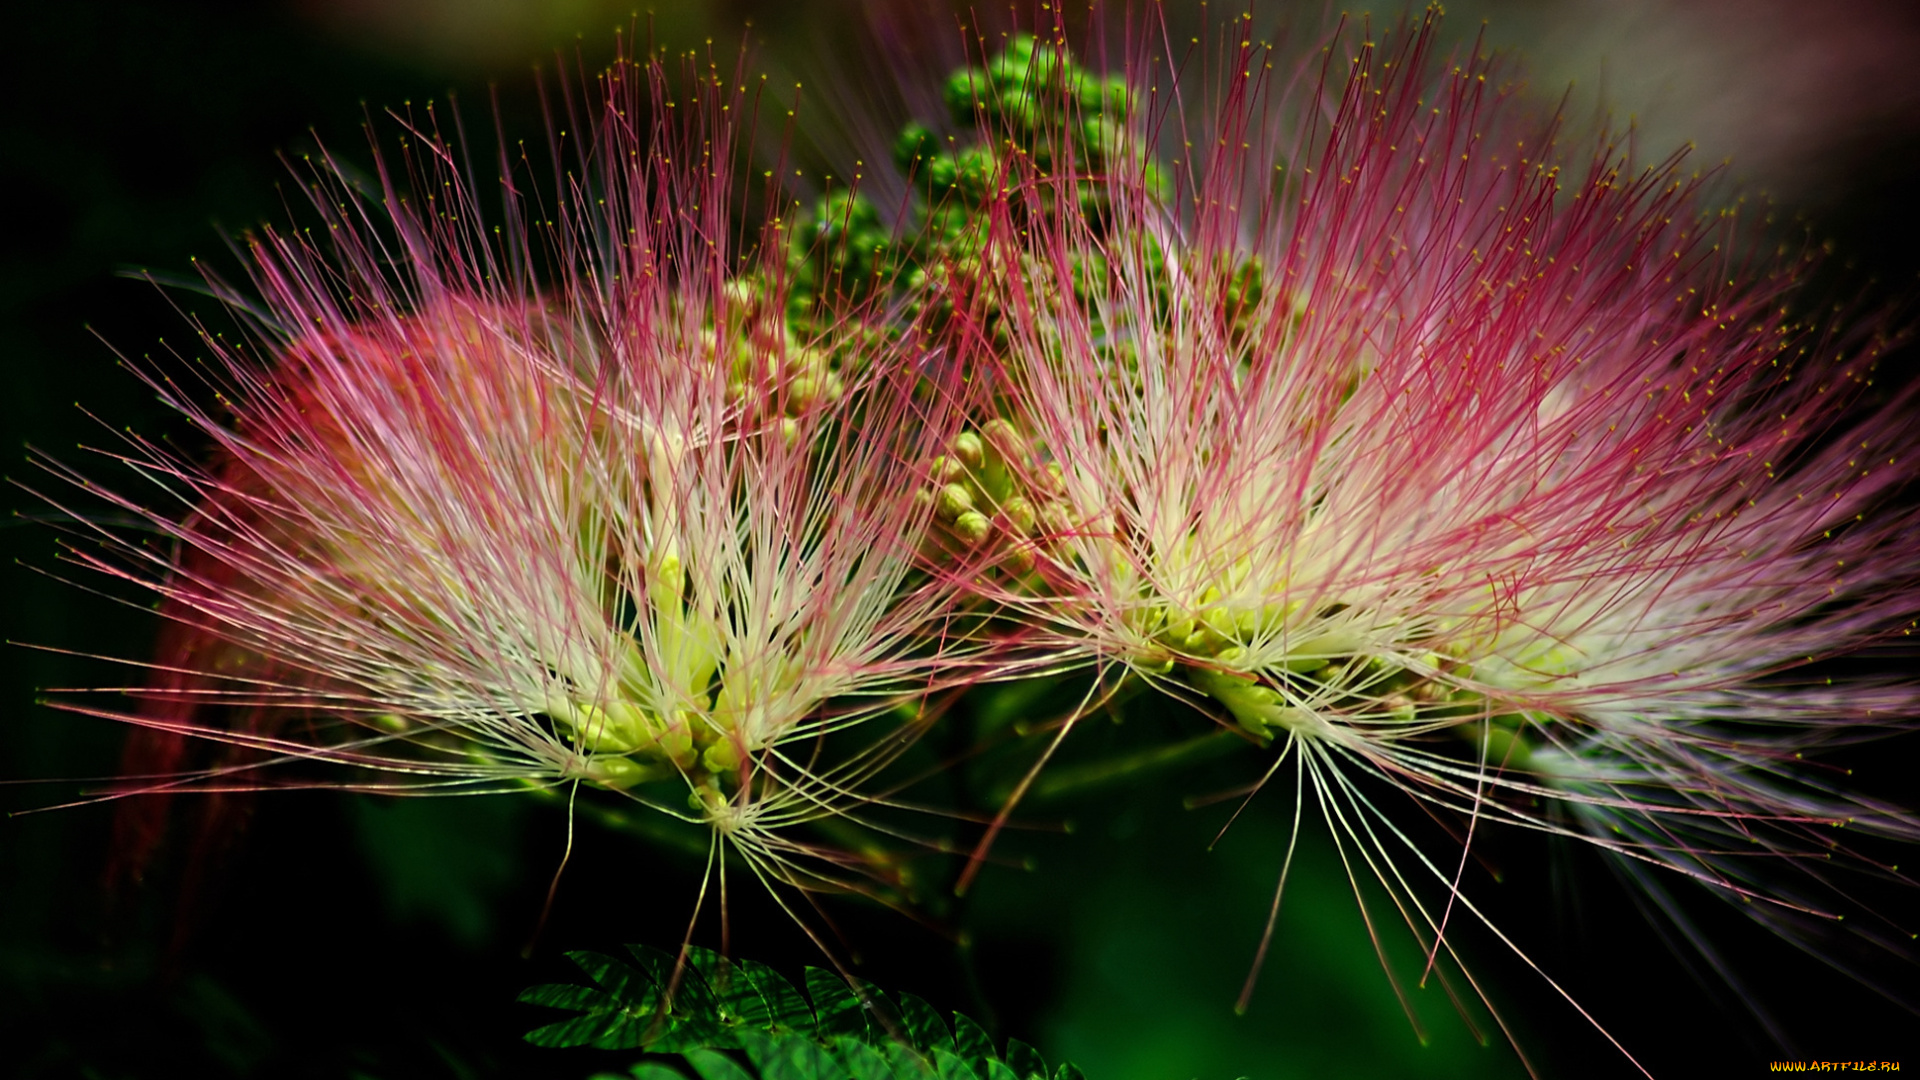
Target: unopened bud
column 1099, row 139
column 741, row 294
column 1020, row 515
column 615, row 773
column 1018, row 560
column 677, row 745
column 972, row 527
column 962, row 94
column 1005, row 440
column 722, row 757
column 968, row 450
column 954, row 501
column 1205, row 640
column 915, row 142
column 802, row 392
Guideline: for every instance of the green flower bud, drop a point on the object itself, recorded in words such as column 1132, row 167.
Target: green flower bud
column 722, row 757
column 942, row 172
column 1018, row 560
column 972, row 527
column 1024, row 107
column 1005, row 440
column 1099, row 138
column 954, row 501
column 677, row 745
column 968, row 450
column 802, row 392
column 1020, row 515
column 1009, row 69
column 616, row 773
column 913, row 147
column 965, row 93
column 978, row 171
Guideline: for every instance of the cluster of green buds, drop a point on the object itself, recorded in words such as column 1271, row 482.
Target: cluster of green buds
column 990, row 492
column 843, row 249
column 772, row 370
column 1035, row 103
column 1030, row 112
column 1242, row 286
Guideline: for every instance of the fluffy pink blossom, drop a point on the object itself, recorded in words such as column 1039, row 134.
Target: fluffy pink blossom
column 1359, row 403
column 568, row 502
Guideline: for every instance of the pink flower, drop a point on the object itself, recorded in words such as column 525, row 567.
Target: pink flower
column 575, row 504
column 1392, row 425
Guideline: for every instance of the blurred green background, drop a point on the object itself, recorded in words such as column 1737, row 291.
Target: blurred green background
column 338, row 936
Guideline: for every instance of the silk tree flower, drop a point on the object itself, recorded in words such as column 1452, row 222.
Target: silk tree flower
column 1400, row 428
column 566, row 503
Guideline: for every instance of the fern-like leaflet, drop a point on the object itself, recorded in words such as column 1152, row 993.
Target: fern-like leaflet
column 835, row 1031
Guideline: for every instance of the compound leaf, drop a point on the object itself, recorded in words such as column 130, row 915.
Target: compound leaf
column 846, row 1032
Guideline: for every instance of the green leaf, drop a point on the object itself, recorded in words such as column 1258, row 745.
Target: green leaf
column 780, row 1007
column 922, row 1025
column 908, row 1064
column 862, row 1061
column 620, row 1016
column 719, row 1004
column 995, row 1069
column 691, row 995
column 791, row 1057
column 1025, row 1061
column 693, row 1014
column 837, row 1008
column 614, row 976
column 736, row 1001
column 563, row 996
column 950, row 1066
column 714, row 1065
column 600, row 1030
column 971, row 1040
column 759, row 1047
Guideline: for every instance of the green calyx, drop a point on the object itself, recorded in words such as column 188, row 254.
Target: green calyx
column 1277, row 668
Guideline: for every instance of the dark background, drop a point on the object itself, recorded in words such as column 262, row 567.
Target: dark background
column 340, row 936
